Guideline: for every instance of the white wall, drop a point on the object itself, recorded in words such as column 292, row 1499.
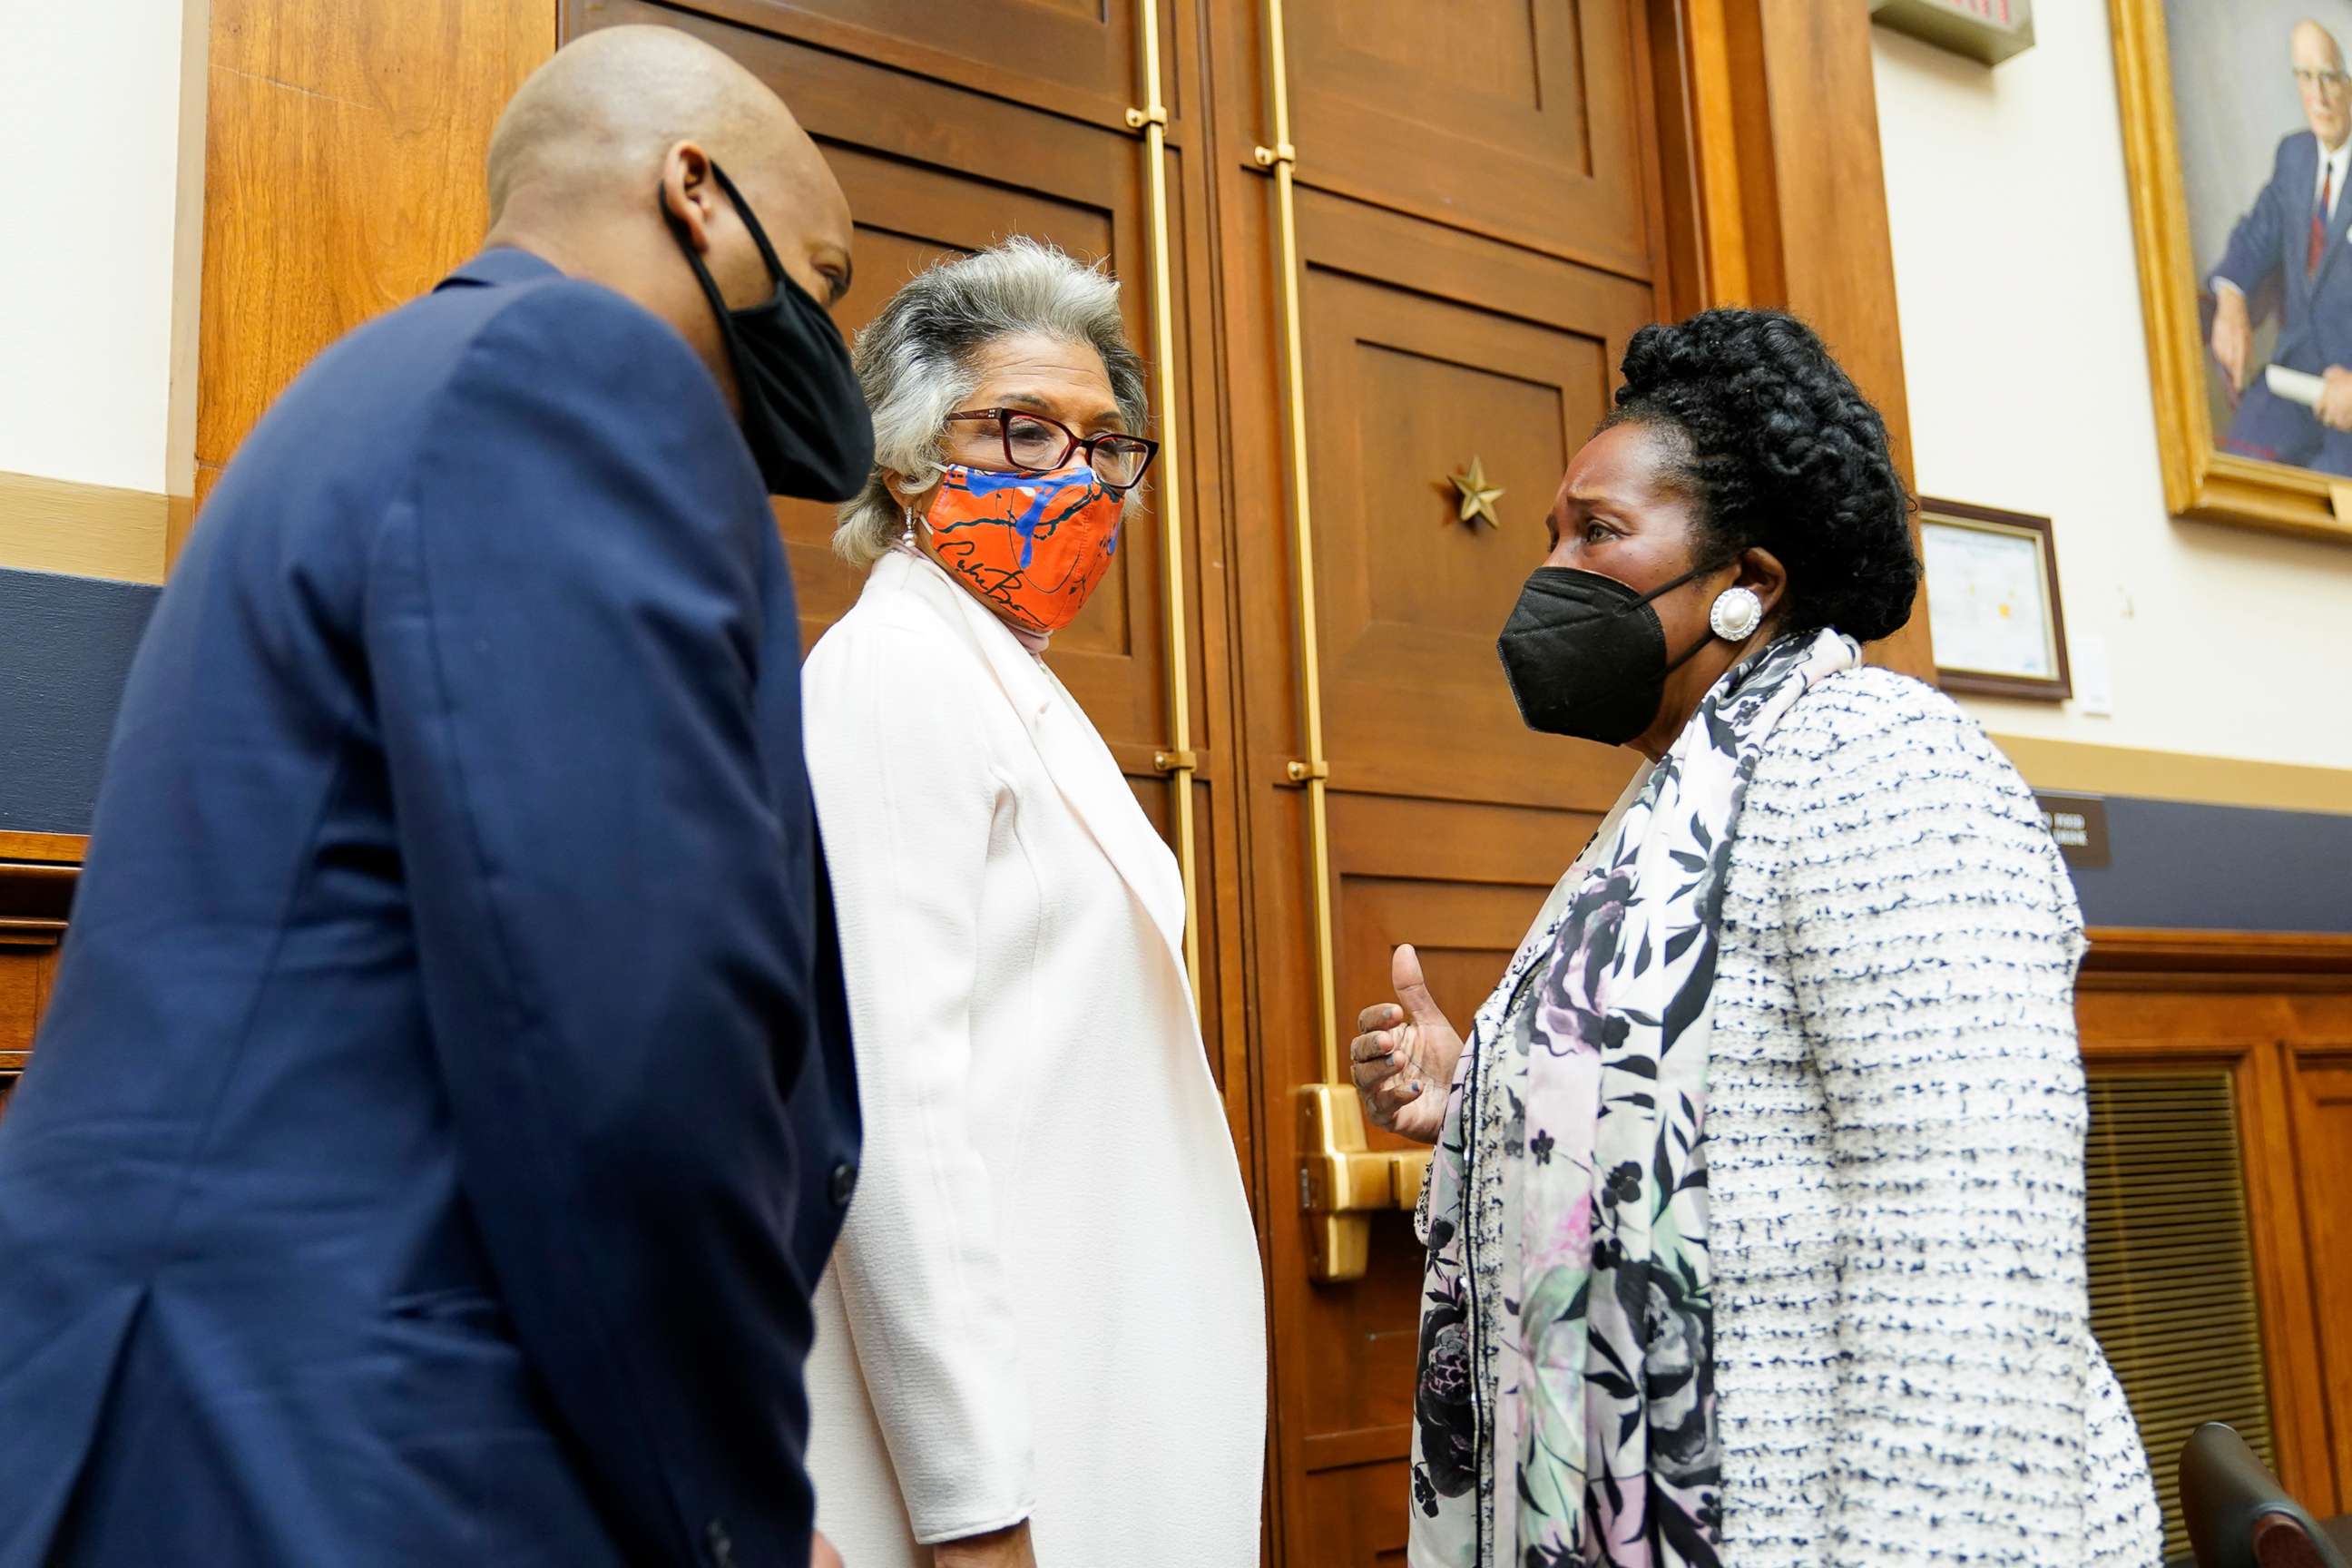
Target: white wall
column 2027, row 368
column 90, row 128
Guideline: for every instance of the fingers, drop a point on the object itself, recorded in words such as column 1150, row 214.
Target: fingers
column 1387, row 1081
column 1380, row 1015
column 1373, row 1059
column 1404, row 973
column 1384, row 1099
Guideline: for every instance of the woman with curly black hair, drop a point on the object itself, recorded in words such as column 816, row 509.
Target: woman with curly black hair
column 1756, row 1220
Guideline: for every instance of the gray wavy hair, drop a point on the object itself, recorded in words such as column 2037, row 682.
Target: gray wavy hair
column 918, row 361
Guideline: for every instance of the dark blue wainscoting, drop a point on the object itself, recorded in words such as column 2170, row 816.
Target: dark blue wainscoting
column 65, row 648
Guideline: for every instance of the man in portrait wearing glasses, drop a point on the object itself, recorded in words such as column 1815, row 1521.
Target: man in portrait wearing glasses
column 2286, row 249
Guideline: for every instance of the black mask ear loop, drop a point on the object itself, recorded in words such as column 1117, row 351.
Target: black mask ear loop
column 1706, row 636
column 1659, row 593
column 776, row 274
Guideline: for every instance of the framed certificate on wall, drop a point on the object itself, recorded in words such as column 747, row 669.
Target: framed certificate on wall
column 1992, row 601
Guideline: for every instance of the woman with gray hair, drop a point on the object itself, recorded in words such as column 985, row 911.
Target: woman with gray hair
column 1042, row 1341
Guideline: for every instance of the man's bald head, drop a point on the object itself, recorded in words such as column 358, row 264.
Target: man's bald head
column 602, row 164
column 600, row 115
column 2321, row 83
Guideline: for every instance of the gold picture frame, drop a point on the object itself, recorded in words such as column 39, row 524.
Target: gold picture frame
column 2199, row 480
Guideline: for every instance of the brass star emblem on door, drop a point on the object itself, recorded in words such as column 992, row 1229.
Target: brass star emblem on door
column 1478, row 497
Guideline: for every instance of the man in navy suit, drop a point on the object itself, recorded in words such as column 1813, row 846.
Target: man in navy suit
column 2292, row 244
column 444, row 1110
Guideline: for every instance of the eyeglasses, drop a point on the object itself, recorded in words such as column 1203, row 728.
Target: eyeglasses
column 2327, row 81
column 1036, row 445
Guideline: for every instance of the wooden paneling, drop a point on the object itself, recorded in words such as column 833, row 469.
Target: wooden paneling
column 1071, row 57
column 2321, row 1075
column 1510, row 118
column 344, row 144
column 1459, row 882
column 37, row 880
column 1426, row 350
column 2274, row 1012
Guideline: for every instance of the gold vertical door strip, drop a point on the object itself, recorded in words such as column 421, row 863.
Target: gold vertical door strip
column 1315, row 771
column 1178, row 762
column 1342, row 1179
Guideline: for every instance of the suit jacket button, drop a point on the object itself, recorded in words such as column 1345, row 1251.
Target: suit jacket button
column 844, row 1182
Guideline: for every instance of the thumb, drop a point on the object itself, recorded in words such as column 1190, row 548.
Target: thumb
column 1404, row 973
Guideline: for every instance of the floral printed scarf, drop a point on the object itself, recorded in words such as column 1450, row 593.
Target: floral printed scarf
column 1601, row 1419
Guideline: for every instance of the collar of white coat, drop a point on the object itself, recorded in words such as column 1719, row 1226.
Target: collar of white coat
column 1074, row 755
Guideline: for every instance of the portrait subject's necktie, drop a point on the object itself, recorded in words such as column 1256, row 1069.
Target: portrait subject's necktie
column 2319, row 221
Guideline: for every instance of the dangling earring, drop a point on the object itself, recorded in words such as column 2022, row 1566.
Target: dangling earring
column 907, row 537
column 1736, row 614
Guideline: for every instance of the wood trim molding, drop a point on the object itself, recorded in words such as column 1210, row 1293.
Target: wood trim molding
column 187, row 275
column 2081, row 768
column 85, row 531
column 44, row 848
column 37, row 874
column 2205, row 957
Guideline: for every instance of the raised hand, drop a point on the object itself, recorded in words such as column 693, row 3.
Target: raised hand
column 1404, row 1058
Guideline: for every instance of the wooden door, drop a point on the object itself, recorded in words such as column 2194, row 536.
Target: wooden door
column 1429, row 344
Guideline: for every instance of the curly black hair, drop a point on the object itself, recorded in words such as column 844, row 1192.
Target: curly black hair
column 1784, row 454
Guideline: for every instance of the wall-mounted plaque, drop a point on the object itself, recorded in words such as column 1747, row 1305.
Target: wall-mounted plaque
column 1992, row 601
column 2078, row 824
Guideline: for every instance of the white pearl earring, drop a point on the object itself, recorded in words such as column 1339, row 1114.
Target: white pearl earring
column 1736, row 614
column 907, row 538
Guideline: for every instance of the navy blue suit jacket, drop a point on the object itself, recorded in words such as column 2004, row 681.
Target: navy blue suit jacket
column 443, row 1108
column 2267, row 250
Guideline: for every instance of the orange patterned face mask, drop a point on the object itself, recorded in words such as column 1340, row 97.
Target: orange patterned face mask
column 1031, row 546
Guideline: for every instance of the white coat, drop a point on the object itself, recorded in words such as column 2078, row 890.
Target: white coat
column 1046, row 1302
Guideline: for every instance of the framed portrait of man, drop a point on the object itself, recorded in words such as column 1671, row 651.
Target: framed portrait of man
column 2237, row 141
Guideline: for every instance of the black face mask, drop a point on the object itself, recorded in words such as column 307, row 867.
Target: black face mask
column 803, row 411
column 1586, row 656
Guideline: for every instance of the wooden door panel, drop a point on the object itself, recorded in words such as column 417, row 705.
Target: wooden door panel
column 33, row 899
column 23, row 988
column 1513, row 118
column 1355, row 1506
column 2323, row 1140
column 1079, row 59
column 931, row 170
column 1419, row 361
column 1461, row 883
column 26, row 969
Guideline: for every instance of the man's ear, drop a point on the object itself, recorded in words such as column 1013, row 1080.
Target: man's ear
column 689, row 195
